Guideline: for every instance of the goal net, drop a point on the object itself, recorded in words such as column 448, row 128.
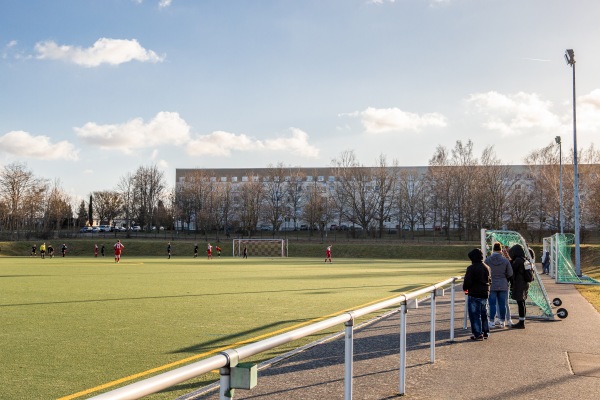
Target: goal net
column 260, row 247
column 560, row 247
column 537, row 295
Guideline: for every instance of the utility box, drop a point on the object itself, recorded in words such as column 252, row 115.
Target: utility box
column 412, row 304
column 244, row 376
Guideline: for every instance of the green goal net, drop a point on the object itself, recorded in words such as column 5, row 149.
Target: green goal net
column 537, row 298
column 561, row 246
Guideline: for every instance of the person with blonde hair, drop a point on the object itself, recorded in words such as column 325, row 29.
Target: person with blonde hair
column 501, row 272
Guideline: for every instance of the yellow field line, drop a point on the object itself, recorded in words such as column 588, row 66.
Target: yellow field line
column 197, row 356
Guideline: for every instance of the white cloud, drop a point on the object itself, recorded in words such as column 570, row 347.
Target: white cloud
column 166, row 128
column 23, row 144
column 164, row 3
column 588, row 112
column 514, row 114
column 222, row 143
column 382, row 120
column 162, row 164
column 104, row 51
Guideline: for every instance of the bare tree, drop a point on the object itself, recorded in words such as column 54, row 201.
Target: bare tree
column 275, row 195
column 126, row 188
column 108, row 205
column 355, row 191
column 149, row 186
column 248, row 206
column 22, row 195
column 386, row 180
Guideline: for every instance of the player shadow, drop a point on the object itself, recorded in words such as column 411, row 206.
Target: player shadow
column 234, row 337
column 237, row 293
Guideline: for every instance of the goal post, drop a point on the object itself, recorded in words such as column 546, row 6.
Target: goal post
column 260, row 247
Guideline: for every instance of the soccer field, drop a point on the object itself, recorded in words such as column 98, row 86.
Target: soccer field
column 72, row 325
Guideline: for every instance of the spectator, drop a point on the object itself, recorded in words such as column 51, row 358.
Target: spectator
column 519, row 285
column 477, row 286
column 501, row 272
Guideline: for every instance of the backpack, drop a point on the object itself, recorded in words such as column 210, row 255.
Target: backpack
column 528, row 274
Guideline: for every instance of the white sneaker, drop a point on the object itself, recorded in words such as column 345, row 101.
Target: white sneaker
column 491, row 324
column 500, row 324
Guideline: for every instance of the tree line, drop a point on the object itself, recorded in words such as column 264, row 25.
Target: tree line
column 458, row 192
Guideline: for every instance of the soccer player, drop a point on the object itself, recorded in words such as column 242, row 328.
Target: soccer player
column 245, row 252
column 218, row 251
column 95, row 250
column 33, row 250
column 63, row 249
column 118, row 249
column 209, row 251
column 328, row 254
column 102, row 250
column 196, row 250
column 50, row 251
column 43, row 250
column 169, row 250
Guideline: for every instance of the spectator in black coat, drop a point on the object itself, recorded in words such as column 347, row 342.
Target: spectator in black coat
column 477, row 286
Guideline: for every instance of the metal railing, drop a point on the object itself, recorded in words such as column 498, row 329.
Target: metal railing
column 231, row 357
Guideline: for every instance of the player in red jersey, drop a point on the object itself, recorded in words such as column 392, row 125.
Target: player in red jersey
column 118, row 249
column 328, row 254
column 209, row 251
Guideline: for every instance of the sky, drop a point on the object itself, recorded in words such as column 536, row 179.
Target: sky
column 92, row 90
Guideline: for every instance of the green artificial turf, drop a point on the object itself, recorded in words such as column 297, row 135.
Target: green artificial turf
column 72, row 324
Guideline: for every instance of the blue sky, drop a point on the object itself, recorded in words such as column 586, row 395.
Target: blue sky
column 90, row 90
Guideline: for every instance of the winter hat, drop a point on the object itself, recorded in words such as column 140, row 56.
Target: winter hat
column 476, row 255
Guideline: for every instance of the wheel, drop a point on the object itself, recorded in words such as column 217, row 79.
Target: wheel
column 562, row 313
column 557, row 302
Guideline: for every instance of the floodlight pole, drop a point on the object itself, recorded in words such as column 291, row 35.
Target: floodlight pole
column 561, row 213
column 570, row 58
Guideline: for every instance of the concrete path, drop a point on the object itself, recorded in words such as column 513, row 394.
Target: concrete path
column 547, row 360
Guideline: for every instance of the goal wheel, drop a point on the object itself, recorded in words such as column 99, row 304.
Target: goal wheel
column 562, row 313
column 557, row 302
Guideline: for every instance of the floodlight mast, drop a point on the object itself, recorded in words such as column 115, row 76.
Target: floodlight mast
column 570, row 58
column 560, row 213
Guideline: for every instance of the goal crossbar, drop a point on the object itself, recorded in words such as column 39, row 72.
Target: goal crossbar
column 260, row 247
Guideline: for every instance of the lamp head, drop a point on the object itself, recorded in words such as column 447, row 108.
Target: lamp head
column 557, row 139
column 570, row 56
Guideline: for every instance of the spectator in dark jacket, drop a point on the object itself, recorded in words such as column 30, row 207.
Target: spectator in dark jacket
column 501, row 273
column 519, row 286
column 477, row 286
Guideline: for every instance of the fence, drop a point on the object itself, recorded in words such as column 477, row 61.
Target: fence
column 230, row 358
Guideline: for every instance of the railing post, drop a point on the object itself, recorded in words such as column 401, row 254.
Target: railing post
column 466, row 311
column 452, row 292
column 432, row 330
column 225, row 390
column 402, row 385
column 349, row 356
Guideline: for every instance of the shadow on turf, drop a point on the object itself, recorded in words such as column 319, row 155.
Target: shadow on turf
column 233, row 337
column 305, row 291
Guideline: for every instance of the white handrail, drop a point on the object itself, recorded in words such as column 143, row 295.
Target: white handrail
column 171, row 378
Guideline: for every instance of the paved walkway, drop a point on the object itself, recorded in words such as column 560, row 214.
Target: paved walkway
column 548, row 360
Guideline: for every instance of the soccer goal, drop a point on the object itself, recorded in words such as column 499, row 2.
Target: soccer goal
column 538, row 297
column 260, row 247
column 562, row 268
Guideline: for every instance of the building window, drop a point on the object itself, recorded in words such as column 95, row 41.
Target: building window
column 223, row 179
column 244, row 179
column 309, row 179
column 234, row 179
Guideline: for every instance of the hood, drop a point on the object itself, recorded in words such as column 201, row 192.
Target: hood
column 516, row 251
column 475, row 255
column 496, row 259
